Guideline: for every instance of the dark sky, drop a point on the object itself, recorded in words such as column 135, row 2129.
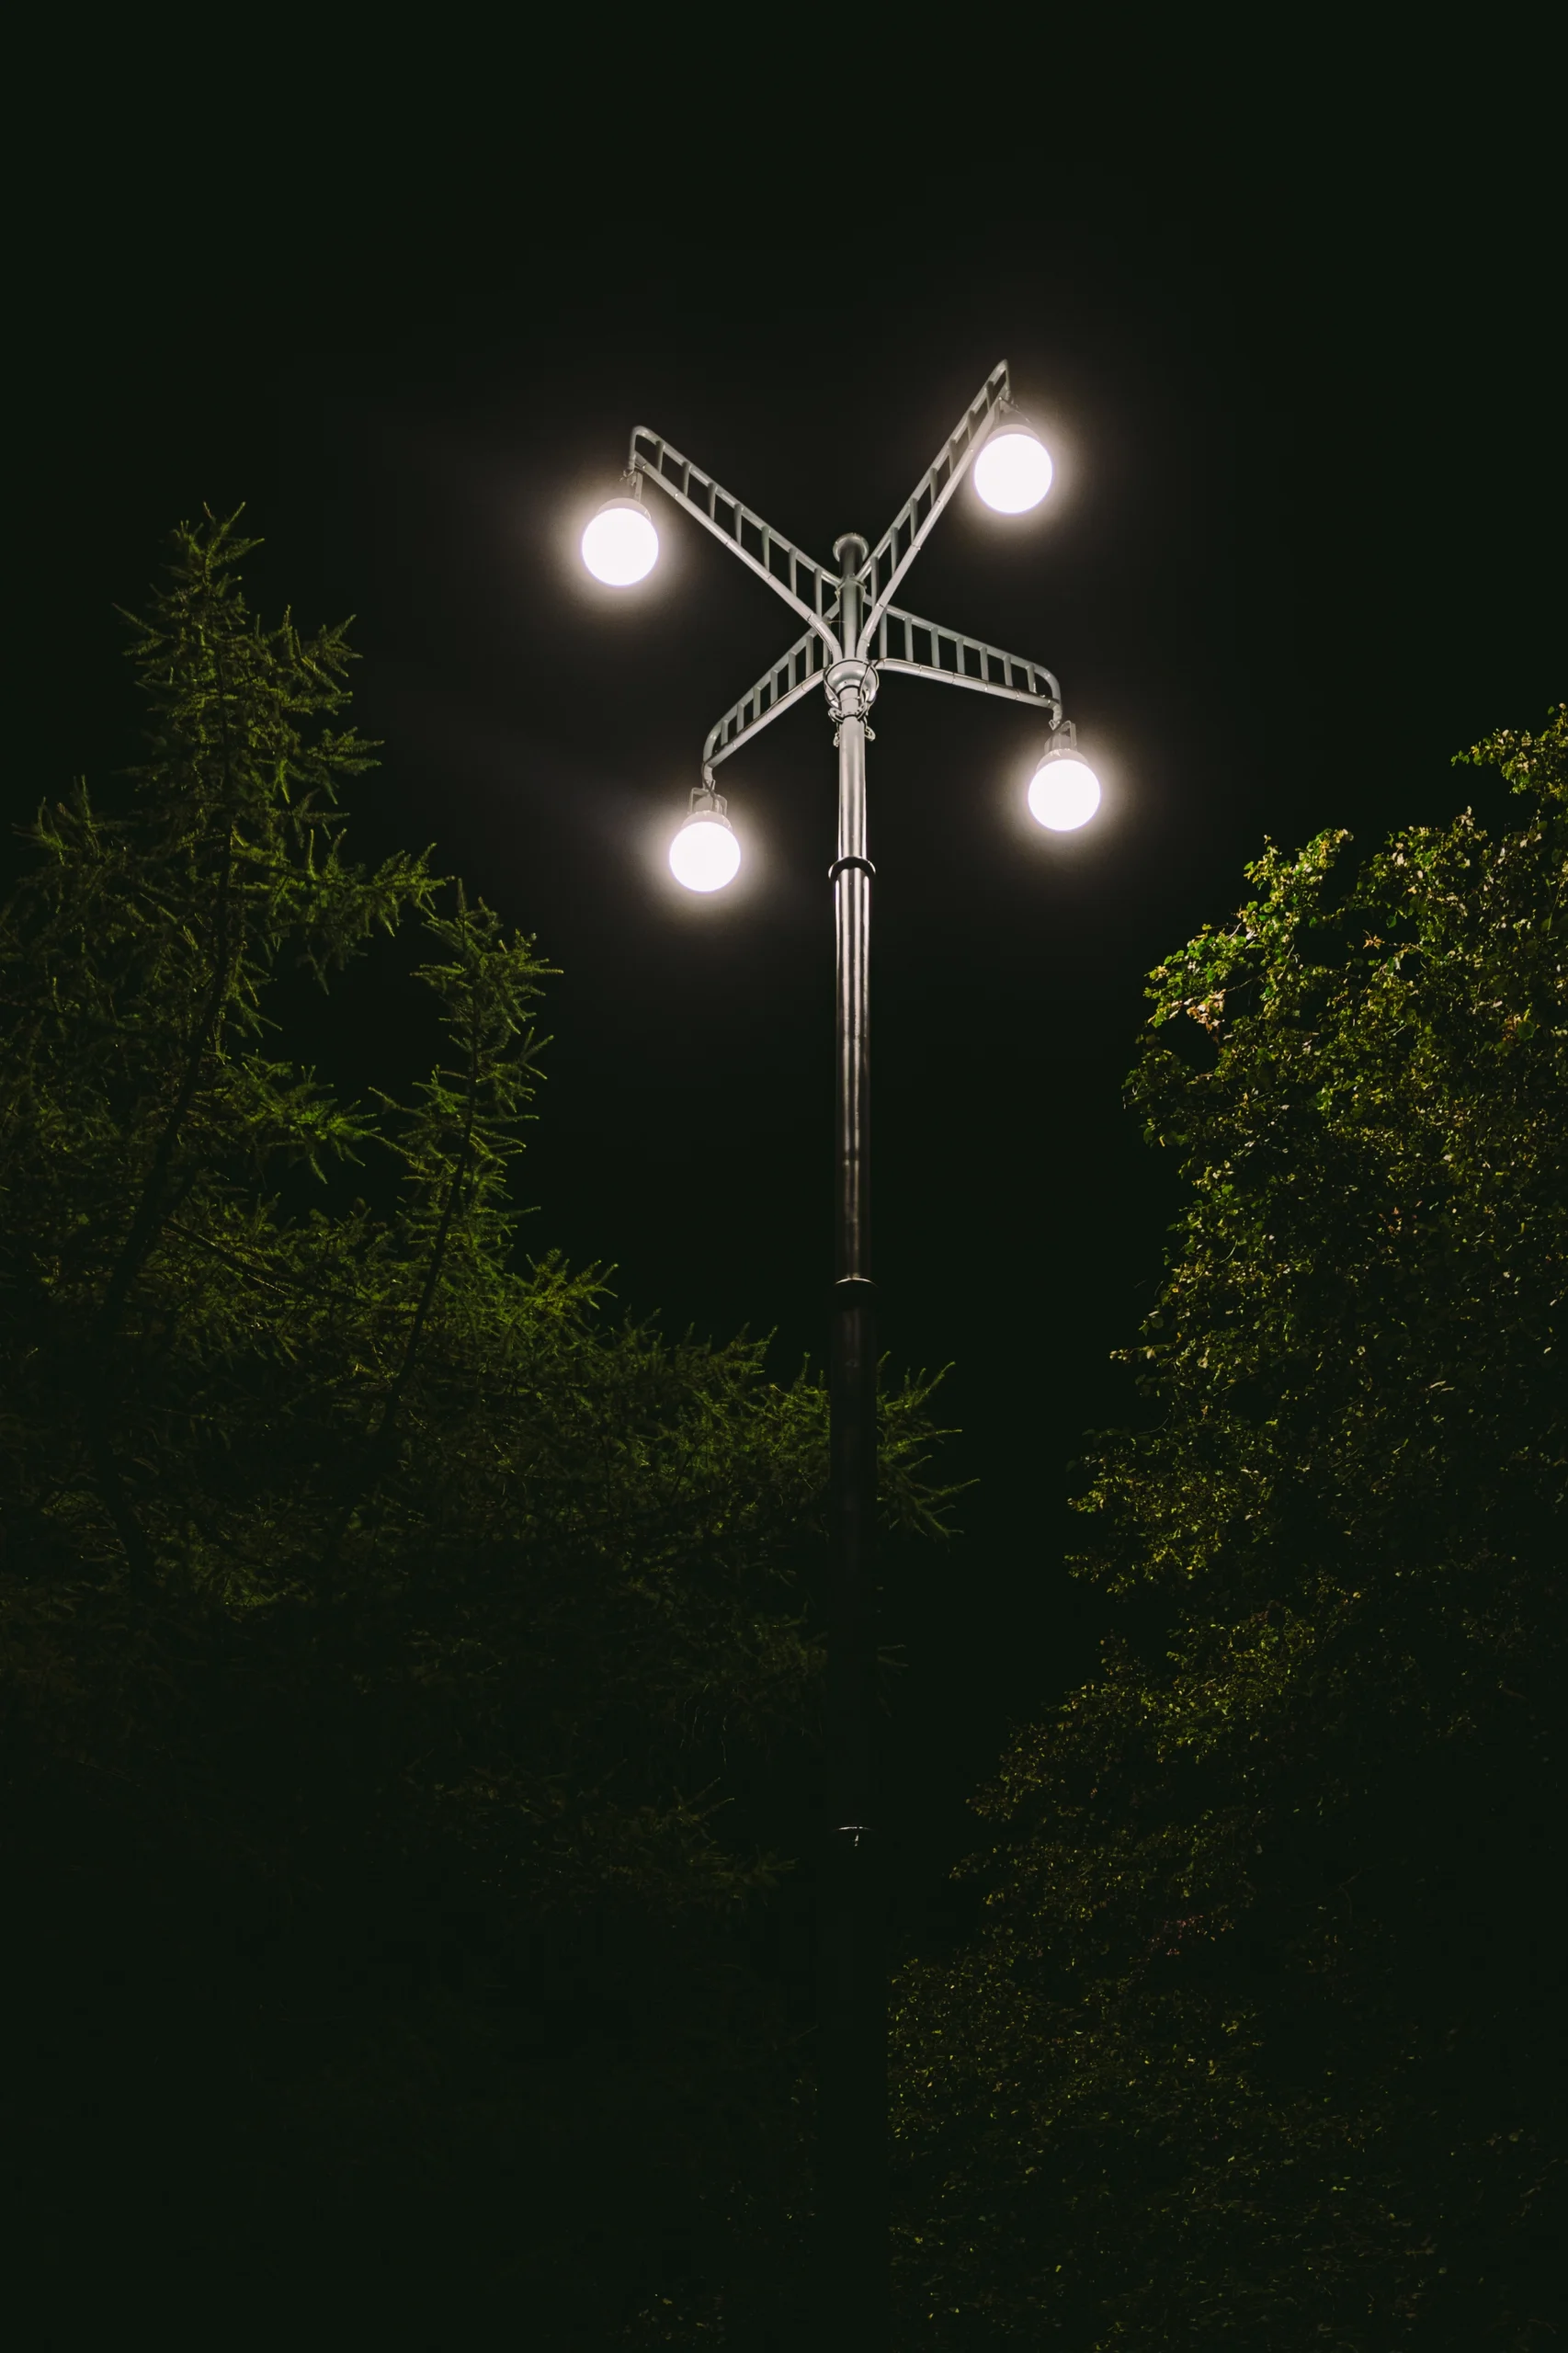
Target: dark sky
column 1304, row 545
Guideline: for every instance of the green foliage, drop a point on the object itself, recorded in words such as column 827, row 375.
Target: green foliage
column 386, row 1631
column 1258, row 2042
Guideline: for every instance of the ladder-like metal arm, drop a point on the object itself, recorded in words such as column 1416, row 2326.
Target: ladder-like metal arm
column 810, row 588
column 913, row 525
column 790, row 678
column 903, row 642
column 922, row 650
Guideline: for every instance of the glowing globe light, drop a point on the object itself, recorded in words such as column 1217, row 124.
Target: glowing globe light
column 705, row 855
column 620, row 544
column 1064, row 792
column 1013, row 470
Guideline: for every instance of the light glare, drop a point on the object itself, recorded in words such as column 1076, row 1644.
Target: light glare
column 1064, row 792
column 1013, row 470
column 705, row 855
column 620, row 545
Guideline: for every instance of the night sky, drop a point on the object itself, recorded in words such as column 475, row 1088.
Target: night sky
column 1310, row 479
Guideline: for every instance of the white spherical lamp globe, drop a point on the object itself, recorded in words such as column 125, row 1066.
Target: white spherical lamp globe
column 1064, row 792
column 1013, row 470
column 620, row 545
column 705, row 855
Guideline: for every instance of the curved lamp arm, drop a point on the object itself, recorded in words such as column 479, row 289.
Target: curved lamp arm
column 922, row 650
column 914, row 523
column 905, row 642
column 810, row 588
column 795, row 675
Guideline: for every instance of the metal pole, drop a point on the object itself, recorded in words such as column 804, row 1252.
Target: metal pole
column 852, row 2159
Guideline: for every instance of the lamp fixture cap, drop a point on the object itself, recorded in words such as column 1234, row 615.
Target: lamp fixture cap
column 708, row 802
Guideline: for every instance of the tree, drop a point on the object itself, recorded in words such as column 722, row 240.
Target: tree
column 1258, row 2042
column 386, row 1629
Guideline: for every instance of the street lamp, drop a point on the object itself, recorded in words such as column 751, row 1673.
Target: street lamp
column 1064, row 792
column 620, row 545
column 1013, row 470
column 855, row 636
column 705, row 854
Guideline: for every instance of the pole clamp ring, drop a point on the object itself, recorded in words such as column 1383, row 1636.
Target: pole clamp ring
column 850, row 686
column 840, row 865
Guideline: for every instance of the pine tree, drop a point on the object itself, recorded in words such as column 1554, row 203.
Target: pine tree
column 386, row 1627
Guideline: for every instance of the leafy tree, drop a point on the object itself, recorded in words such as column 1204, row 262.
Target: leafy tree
column 384, row 1629
column 1257, row 2041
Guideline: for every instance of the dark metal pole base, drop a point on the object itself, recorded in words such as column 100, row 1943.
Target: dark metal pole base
column 852, row 2147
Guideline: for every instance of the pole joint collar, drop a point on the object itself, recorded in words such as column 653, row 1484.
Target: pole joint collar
column 851, row 688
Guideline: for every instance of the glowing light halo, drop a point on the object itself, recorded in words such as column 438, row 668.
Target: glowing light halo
column 1014, row 470
column 705, row 855
column 1064, row 792
column 620, row 545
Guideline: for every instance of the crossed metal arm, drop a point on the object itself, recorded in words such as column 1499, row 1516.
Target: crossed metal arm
column 888, row 636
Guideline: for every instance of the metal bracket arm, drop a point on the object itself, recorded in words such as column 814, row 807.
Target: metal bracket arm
column 803, row 582
column 903, row 642
column 790, row 678
column 913, row 525
column 921, row 650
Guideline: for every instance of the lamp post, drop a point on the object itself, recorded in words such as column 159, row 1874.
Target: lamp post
column 855, row 634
